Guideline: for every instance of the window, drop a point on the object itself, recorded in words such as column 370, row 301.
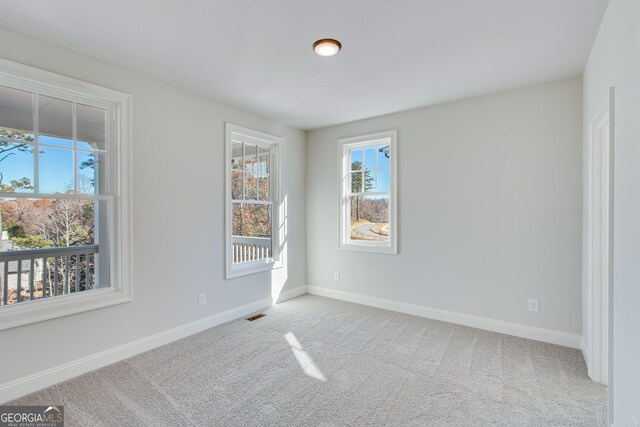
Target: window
column 253, row 195
column 367, row 193
column 63, row 196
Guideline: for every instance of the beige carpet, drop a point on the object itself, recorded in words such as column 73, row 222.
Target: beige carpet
column 321, row 362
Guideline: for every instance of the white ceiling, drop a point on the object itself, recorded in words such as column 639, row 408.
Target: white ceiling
column 256, row 54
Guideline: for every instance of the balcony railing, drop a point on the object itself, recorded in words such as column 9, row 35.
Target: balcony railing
column 40, row 273
column 247, row 249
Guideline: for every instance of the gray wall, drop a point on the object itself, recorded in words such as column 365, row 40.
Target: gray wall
column 615, row 61
column 490, row 208
column 178, row 216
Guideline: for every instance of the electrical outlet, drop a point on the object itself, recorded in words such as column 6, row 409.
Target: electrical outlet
column 202, row 299
column 534, row 305
column 635, row 421
column 336, row 275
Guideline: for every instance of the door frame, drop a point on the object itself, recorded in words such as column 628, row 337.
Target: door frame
column 600, row 244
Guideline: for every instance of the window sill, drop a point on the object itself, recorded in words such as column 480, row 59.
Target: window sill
column 252, row 268
column 35, row 311
column 363, row 247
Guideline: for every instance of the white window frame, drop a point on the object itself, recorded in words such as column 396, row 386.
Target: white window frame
column 262, row 139
column 118, row 107
column 345, row 145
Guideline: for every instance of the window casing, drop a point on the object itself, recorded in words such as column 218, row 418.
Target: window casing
column 367, row 193
column 253, row 201
column 67, row 147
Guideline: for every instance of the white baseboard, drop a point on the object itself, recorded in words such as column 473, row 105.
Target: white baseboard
column 23, row 386
column 296, row 292
column 20, row 387
column 509, row 328
column 585, row 354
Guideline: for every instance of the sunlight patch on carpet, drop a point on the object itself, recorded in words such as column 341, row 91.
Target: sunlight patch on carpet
column 304, row 360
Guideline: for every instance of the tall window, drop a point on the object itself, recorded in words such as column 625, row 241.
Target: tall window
column 252, row 196
column 367, row 193
column 60, row 171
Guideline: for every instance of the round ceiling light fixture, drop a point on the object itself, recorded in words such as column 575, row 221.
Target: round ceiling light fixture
column 327, row 47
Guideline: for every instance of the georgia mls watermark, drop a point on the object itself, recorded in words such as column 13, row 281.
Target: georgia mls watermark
column 31, row 416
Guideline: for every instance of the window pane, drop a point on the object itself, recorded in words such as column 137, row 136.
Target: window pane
column 16, row 114
column 370, row 180
column 251, row 232
column 92, row 127
column 88, row 164
column 250, row 158
column 236, row 155
column 236, row 185
column 370, row 218
column 251, row 220
column 16, row 167
column 56, row 170
column 356, row 160
column 370, row 158
column 264, row 160
column 383, row 180
column 263, row 189
column 251, row 168
column 49, row 223
column 55, row 122
column 250, row 186
column 356, row 182
column 263, row 167
column 383, row 157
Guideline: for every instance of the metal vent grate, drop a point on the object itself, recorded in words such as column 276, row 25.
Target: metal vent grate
column 256, row 317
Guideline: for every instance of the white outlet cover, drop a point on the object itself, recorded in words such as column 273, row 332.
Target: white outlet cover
column 534, row 305
column 202, row 299
column 336, row 275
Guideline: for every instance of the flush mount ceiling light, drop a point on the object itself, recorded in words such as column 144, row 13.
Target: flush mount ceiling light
column 327, row 47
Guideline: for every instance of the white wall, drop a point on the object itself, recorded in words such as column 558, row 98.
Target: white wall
column 178, row 216
column 490, row 208
column 615, row 61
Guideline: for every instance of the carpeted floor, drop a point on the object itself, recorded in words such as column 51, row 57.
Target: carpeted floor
column 320, row 362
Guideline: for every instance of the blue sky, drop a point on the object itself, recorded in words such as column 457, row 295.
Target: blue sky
column 368, row 157
column 55, row 164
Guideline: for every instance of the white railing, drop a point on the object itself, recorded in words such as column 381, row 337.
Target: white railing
column 247, row 249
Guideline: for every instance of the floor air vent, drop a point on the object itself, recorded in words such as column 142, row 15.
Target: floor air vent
column 256, row 317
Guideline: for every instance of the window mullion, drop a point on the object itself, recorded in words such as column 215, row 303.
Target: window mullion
column 369, row 193
column 258, row 172
column 377, row 167
column 36, row 150
column 244, row 174
column 74, row 132
column 14, row 195
column 270, row 173
column 253, row 202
